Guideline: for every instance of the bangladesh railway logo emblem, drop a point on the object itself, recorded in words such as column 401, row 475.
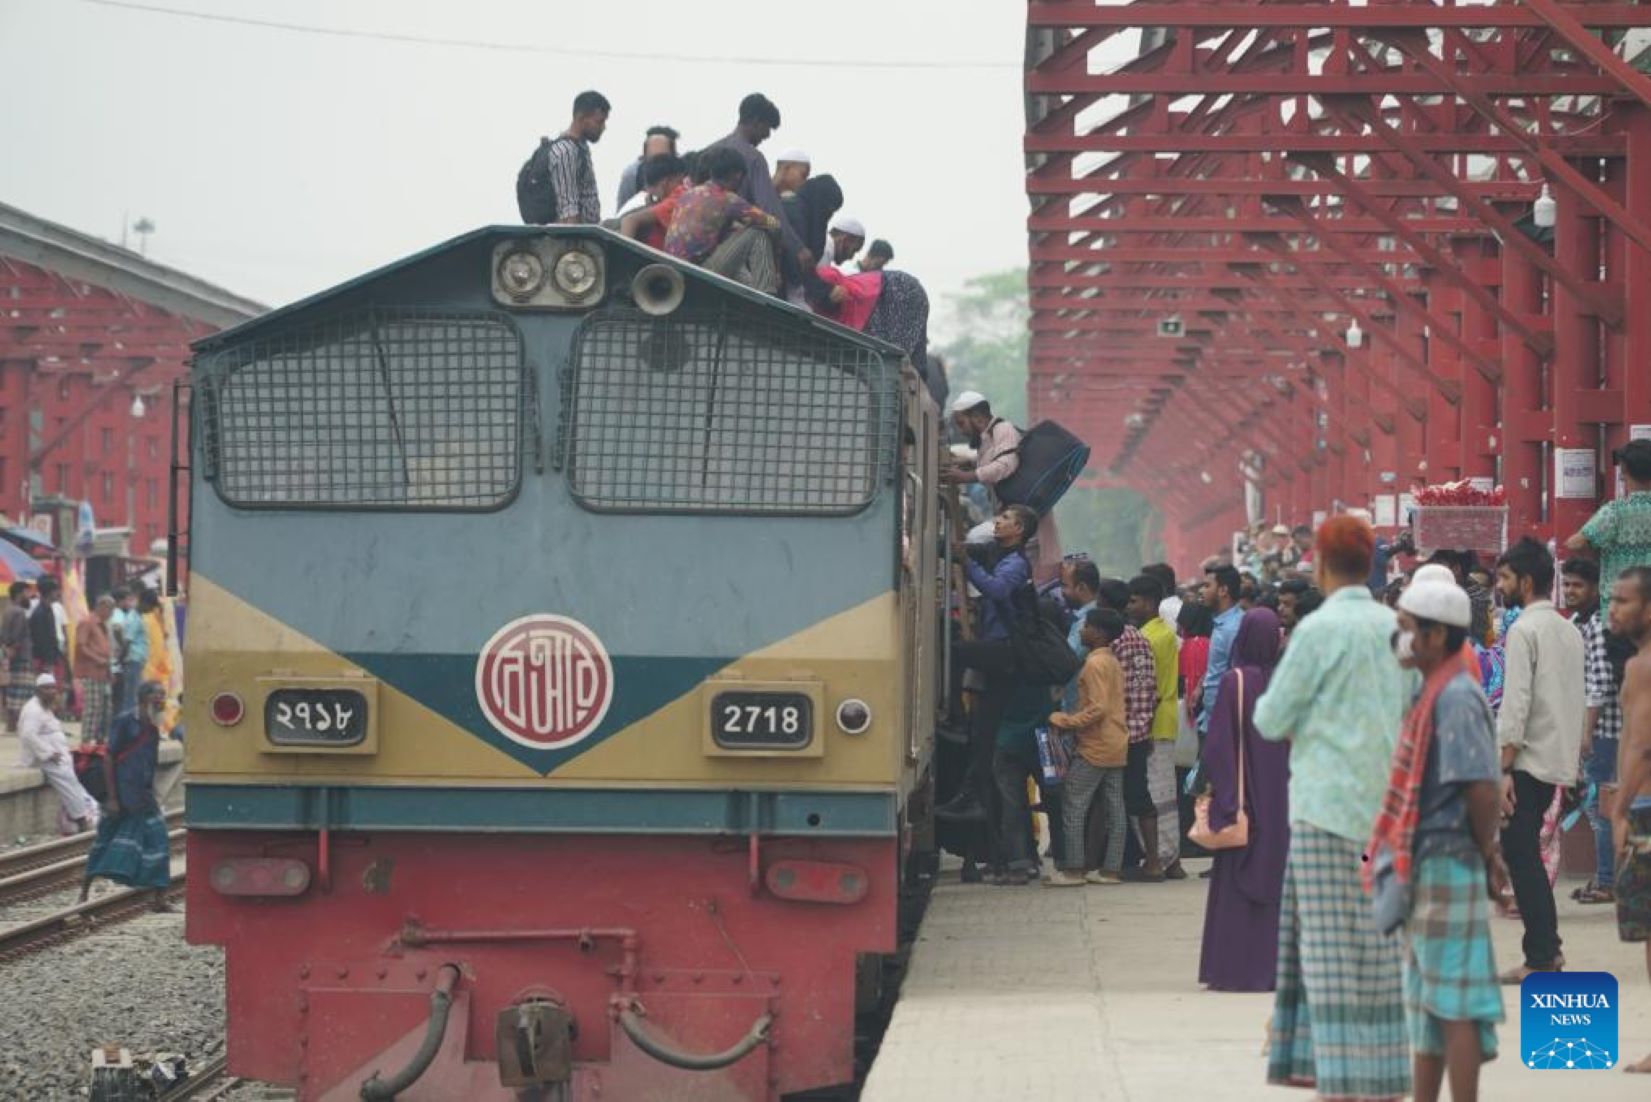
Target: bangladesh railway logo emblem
column 544, row 681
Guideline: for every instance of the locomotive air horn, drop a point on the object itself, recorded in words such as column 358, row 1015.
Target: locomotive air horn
column 658, row 289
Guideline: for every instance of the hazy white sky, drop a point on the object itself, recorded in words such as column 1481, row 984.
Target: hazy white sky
column 278, row 163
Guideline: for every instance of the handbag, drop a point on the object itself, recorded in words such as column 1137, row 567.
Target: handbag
column 1054, row 754
column 1186, row 739
column 1235, row 835
column 1390, row 897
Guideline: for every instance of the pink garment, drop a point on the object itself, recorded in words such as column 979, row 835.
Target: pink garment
column 862, row 289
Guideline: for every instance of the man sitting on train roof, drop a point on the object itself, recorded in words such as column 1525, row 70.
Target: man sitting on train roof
column 664, row 180
column 716, row 229
column 855, row 295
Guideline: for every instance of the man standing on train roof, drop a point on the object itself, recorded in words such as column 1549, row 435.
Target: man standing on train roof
column 658, row 141
column 996, row 442
column 758, row 119
column 577, row 200
column 45, row 747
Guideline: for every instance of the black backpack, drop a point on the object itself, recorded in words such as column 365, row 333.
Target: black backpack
column 535, row 190
column 1051, row 459
column 1042, row 655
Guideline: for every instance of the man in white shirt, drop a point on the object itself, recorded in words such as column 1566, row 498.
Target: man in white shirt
column 1539, row 729
column 45, row 747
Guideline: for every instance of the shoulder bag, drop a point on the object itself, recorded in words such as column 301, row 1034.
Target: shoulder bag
column 1236, row 835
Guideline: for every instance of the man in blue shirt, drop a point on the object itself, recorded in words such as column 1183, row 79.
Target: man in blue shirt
column 131, row 649
column 1221, row 589
column 991, row 652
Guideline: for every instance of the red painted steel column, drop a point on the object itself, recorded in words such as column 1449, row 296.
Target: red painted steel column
column 1574, row 373
column 1478, row 456
column 1524, row 421
column 1636, row 344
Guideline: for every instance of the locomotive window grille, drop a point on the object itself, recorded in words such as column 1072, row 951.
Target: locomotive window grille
column 377, row 410
column 726, row 412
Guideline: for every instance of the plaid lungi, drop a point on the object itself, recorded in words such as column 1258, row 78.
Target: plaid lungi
column 21, row 685
column 1161, row 787
column 1338, row 1010
column 1449, row 967
column 94, row 710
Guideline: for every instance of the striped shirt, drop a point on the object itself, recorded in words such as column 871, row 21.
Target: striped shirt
column 575, row 182
column 1598, row 679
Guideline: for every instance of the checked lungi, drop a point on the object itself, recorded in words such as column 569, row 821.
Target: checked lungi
column 1338, row 1011
column 1161, row 787
column 94, row 710
column 1450, row 967
column 21, row 685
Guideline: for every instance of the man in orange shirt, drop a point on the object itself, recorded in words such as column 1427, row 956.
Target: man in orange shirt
column 1102, row 751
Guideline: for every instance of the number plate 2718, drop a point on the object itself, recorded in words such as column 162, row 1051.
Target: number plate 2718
column 315, row 717
column 759, row 720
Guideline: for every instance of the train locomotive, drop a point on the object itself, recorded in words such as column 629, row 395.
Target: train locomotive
column 562, row 659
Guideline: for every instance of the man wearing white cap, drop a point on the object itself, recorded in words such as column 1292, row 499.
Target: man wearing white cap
column 845, row 237
column 996, row 442
column 44, row 747
column 791, row 170
column 1435, row 862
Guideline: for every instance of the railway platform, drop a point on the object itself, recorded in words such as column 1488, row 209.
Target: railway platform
column 28, row 807
column 1092, row 993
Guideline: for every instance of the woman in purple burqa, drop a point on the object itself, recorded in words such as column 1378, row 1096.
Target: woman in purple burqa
column 1241, row 915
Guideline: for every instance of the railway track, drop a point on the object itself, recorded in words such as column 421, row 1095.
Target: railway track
column 51, row 866
column 97, row 913
column 210, row 1083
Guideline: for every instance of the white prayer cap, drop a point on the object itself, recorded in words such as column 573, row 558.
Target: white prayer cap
column 45, row 681
column 1442, row 602
column 1433, row 572
column 851, row 226
column 968, row 400
column 793, row 156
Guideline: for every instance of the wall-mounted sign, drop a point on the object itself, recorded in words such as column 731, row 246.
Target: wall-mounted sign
column 1573, row 473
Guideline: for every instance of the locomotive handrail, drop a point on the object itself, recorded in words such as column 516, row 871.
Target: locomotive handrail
column 441, row 1004
column 666, row 1053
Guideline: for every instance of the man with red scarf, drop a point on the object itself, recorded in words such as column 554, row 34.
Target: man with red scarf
column 1438, row 833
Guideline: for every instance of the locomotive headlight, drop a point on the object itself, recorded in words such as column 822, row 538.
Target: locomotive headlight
column 853, row 717
column 576, row 273
column 521, row 273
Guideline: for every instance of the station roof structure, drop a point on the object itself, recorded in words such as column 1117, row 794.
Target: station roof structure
column 1314, row 253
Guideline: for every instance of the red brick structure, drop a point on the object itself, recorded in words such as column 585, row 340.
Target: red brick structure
column 87, row 329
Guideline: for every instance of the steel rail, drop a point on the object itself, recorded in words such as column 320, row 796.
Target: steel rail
column 91, row 916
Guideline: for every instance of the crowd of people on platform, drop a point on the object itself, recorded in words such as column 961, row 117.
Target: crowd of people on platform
column 116, row 663
column 779, row 229
column 1382, row 749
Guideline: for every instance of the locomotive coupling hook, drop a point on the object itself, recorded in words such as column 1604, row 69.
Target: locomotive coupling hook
column 441, row 1002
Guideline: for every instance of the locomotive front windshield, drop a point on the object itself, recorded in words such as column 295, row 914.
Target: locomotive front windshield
column 725, row 413
column 382, row 409
column 716, row 411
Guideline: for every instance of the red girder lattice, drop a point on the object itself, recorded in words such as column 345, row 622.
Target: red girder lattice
column 1267, row 174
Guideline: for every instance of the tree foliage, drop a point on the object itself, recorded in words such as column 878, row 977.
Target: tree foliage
column 987, row 349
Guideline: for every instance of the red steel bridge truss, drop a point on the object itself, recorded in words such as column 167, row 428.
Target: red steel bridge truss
column 1297, row 256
